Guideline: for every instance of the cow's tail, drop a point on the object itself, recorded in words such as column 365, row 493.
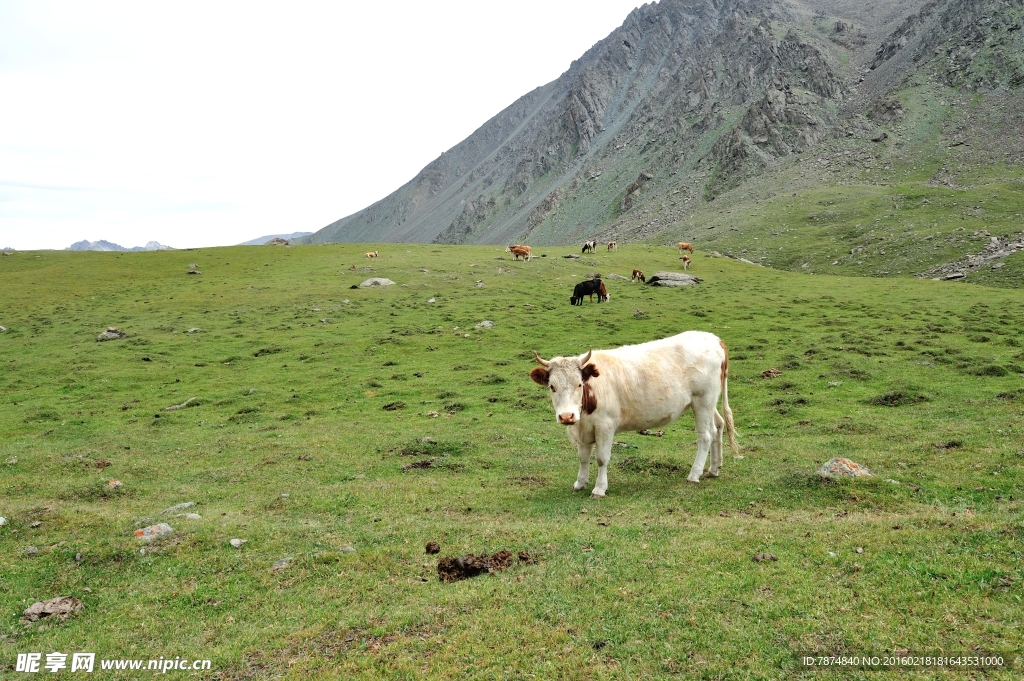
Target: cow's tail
column 730, row 424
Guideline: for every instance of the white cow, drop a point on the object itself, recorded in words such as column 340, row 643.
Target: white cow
column 641, row 386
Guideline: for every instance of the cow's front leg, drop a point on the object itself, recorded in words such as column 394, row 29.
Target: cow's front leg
column 584, row 475
column 603, row 454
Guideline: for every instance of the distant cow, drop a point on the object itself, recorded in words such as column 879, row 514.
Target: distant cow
column 685, row 246
column 686, row 262
column 589, row 246
column 589, row 288
column 373, row 254
column 637, row 274
column 637, row 387
column 613, row 246
column 518, row 251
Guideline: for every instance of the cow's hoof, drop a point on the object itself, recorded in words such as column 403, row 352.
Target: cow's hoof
column 693, row 480
column 596, row 495
column 711, row 474
column 578, row 486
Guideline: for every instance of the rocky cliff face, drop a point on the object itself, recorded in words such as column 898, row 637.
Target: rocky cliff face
column 686, row 100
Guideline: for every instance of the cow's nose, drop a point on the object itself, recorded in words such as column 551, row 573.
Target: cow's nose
column 566, row 419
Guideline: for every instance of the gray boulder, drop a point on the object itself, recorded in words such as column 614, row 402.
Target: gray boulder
column 673, row 279
column 376, row 281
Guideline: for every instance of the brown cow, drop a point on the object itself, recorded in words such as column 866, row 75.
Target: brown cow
column 685, row 246
column 686, row 262
column 521, row 252
column 637, row 274
column 613, row 246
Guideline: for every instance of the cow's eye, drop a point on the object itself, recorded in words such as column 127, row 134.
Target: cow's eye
column 553, row 389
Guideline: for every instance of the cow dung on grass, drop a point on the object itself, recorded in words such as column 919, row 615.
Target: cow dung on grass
column 454, row 568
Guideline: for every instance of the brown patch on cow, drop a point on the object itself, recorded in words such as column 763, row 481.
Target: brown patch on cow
column 590, row 371
column 539, row 376
column 589, row 399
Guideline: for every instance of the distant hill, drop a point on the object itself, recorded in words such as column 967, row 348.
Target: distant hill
column 102, row 245
column 692, row 114
column 264, row 239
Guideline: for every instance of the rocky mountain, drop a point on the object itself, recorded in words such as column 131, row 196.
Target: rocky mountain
column 693, row 104
column 264, row 239
column 102, row 245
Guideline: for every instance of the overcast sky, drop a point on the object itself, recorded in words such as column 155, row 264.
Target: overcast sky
column 212, row 123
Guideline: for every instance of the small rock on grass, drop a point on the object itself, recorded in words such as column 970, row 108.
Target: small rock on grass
column 761, row 557
column 111, row 334
column 178, row 507
column 348, row 549
column 154, row 531
column 60, row 607
column 3, row 521
column 839, row 467
column 282, row 564
column 31, row 550
column 237, row 543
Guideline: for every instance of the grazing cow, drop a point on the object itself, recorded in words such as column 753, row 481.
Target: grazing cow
column 636, row 387
column 589, row 246
column 685, row 246
column 372, row 254
column 686, row 262
column 613, row 246
column 589, row 288
column 637, row 274
column 523, row 252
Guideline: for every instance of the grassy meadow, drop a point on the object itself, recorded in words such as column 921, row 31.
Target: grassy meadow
column 307, row 433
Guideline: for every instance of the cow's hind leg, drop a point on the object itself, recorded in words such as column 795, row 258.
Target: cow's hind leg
column 716, row 446
column 704, row 420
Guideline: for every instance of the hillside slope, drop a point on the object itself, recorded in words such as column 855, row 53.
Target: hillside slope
column 689, row 102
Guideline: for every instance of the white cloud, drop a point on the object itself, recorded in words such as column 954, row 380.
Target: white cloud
column 201, row 124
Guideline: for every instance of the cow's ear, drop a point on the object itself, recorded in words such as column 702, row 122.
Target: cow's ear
column 539, row 375
column 590, row 371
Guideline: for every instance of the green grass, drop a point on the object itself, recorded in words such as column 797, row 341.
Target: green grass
column 654, row 581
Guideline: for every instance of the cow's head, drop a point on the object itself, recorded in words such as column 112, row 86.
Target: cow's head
column 568, row 379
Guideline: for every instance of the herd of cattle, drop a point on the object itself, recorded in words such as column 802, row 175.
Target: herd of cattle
column 590, row 287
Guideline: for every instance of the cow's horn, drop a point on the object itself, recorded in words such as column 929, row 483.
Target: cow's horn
column 586, row 359
column 543, row 362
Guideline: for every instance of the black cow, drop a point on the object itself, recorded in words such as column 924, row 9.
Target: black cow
column 589, row 288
